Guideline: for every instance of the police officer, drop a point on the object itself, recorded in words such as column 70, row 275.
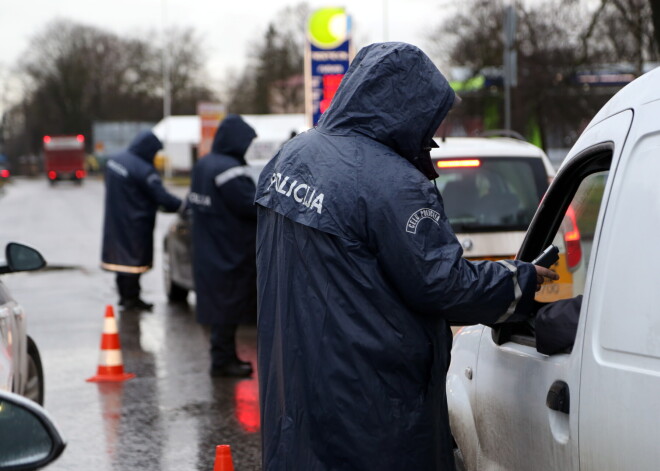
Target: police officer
column 224, row 231
column 133, row 194
column 359, row 274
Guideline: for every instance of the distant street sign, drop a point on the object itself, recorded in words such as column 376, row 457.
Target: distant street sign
column 510, row 54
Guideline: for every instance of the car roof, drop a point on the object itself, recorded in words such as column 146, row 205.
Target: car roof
column 484, row 147
column 643, row 89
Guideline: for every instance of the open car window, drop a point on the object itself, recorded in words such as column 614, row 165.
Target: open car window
column 574, row 240
column 567, row 218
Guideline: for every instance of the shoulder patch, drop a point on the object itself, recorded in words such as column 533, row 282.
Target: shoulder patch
column 416, row 217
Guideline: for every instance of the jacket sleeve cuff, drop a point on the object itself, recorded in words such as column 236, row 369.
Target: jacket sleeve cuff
column 524, row 288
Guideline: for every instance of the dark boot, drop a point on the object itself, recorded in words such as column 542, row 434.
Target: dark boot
column 235, row 368
column 135, row 304
column 224, row 361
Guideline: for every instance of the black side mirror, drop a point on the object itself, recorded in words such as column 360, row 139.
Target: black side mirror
column 20, row 257
column 29, row 438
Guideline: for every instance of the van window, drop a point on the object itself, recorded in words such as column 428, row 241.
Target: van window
column 491, row 194
column 574, row 240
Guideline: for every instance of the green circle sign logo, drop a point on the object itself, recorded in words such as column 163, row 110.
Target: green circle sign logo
column 328, row 27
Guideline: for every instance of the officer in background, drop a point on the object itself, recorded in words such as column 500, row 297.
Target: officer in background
column 224, row 232
column 133, row 194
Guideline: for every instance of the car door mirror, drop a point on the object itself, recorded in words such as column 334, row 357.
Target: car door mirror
column 29, row 438
column 20, row 257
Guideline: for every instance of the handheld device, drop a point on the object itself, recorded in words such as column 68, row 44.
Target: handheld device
column 548, row 257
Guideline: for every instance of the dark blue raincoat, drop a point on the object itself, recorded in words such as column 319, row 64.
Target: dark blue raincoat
column 133, row 194
column 359, row 273
column 224, row 228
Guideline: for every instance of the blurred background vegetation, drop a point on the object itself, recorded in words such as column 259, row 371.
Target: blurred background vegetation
column 74, row 75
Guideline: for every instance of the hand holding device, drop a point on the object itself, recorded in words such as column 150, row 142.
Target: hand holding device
column 543, row 263
column 548, row 257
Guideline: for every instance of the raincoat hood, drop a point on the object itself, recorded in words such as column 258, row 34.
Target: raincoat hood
column 372, row 101
column 233, row 137
column 146, row 145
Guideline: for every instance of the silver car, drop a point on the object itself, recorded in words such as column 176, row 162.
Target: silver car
column 177, row 243
column 21, row 371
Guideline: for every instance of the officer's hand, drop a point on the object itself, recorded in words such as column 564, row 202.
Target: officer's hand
column 542, row 274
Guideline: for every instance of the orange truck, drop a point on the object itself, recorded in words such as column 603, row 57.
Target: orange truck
column 64, row 158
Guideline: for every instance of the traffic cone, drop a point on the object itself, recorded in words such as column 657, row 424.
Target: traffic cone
column 223, row 460
column 110, row 367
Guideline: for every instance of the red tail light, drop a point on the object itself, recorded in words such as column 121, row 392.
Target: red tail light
column 80, row 138
column 46, row 139
column 572, row 239
column 4, row 173
column 52, row 175
column 80, row 174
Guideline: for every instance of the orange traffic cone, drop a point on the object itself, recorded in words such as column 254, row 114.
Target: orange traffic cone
column 111, row 367
column 223, row 460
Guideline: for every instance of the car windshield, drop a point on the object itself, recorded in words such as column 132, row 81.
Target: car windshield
column 490, row 194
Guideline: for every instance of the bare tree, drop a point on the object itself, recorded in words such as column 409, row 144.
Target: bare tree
column 272, row 81
column 655, row 9
column 557, row 39
column 77, row 74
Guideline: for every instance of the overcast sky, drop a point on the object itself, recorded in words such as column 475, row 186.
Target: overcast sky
column 226, row 26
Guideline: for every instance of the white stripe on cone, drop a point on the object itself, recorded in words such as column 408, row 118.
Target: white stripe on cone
column 110, row 358
column 110, row 326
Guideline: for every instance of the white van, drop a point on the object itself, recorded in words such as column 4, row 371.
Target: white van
column 596, row 407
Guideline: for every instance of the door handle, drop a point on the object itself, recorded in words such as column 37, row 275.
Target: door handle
column 559, row 398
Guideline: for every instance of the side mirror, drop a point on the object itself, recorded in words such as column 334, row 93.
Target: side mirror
column 29, row 438
column 20, row 257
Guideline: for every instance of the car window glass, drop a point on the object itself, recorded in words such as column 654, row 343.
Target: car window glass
column 483, row 195
column 574, row 240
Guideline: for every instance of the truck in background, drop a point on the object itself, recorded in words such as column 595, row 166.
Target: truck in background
column 64, row 158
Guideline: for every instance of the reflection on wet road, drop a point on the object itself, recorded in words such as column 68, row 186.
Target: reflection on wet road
column 173, row 414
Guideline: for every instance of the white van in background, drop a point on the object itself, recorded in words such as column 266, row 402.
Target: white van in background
column 491, row 188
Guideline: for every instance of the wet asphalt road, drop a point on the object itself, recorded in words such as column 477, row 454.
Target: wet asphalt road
column 173, row 414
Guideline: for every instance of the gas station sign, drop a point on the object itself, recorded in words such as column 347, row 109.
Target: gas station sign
column 327, row 57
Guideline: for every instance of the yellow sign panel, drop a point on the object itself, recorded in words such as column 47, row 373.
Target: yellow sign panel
column 329, row 27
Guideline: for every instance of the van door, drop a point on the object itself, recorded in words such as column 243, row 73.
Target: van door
column 620, row 385
column 520, row 424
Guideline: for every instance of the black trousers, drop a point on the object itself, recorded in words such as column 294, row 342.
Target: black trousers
column 223, row 344
column 128, row 285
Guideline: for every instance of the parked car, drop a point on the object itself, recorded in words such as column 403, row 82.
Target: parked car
column 29, row 439
column 491, row 187
column 177, row 245
column 595, row 406
column 21, row 370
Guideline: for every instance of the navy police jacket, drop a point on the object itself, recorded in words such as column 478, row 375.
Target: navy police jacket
column 358, row 274
column 224, row 228
column 133, row 194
